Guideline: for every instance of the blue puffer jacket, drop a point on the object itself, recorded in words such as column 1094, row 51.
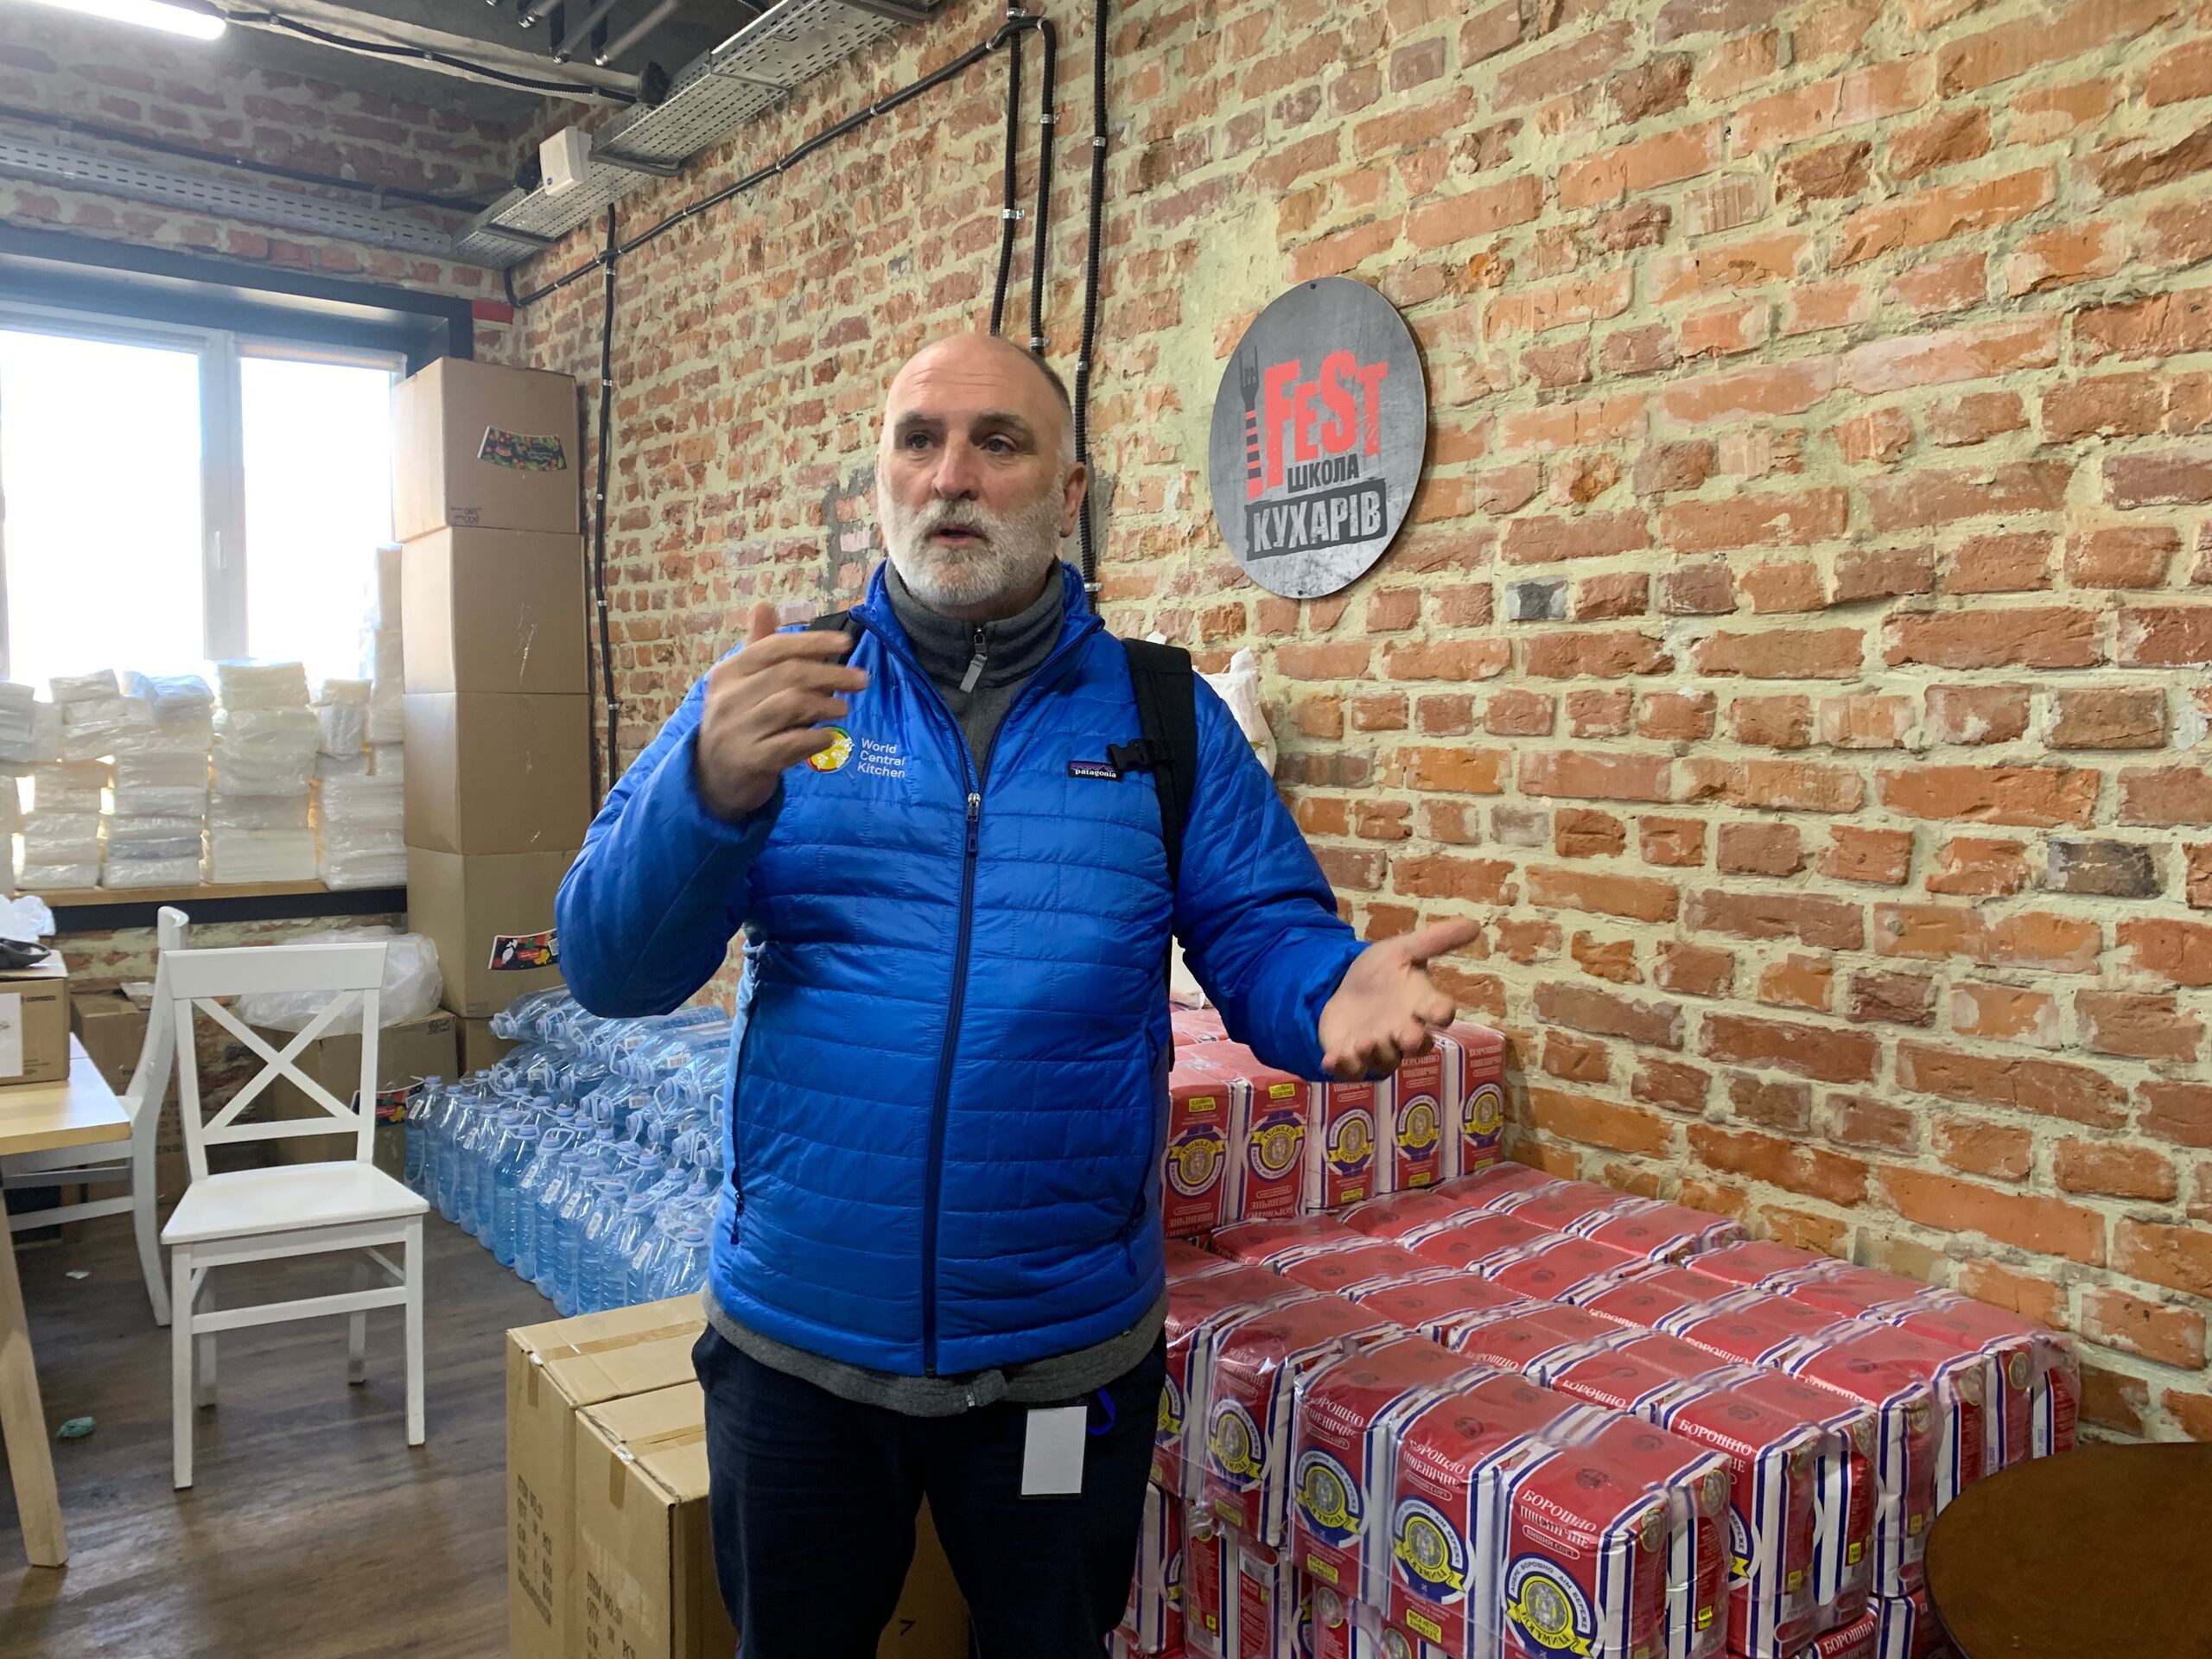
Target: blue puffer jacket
column 950, row 1088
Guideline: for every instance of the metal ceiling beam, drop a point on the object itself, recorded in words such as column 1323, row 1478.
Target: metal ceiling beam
column 606, row 86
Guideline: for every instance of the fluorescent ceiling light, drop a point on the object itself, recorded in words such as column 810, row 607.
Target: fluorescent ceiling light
column 172, row 19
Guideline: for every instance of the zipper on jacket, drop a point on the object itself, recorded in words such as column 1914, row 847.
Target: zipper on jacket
column 1073, row 634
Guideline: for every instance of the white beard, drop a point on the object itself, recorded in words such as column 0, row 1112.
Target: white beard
column 1004, row 564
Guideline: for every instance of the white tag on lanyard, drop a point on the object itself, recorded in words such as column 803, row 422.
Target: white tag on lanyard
column 1051, row 1454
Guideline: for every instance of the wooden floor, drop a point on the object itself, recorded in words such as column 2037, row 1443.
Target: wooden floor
column 312, row 1531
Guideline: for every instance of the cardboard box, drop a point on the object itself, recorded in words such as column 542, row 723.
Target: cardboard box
column 645, row 1563
column 112, row 1028
column 493, row 610
column 554, row 1370
column 476, row 446
column 491, row 919
column 497, row 772
column 480, row 1049
column 35, row 1021
column 406, row 1054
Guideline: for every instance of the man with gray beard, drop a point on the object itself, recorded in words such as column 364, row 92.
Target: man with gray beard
column 937, row 1269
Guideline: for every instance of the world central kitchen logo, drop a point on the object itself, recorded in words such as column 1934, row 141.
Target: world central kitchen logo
column 1313, row 450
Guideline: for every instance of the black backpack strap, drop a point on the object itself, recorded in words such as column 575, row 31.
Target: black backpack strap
column 842, row 622
column 1167, row 714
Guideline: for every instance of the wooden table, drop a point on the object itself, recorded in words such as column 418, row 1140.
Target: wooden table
column 37, row 1117
column 2103, row 1552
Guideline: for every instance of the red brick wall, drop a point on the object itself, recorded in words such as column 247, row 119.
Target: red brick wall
column 1796, row 659
column 185, row 93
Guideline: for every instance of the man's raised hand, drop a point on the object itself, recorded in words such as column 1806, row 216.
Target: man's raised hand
column 764, row 711
column 1386, row 1005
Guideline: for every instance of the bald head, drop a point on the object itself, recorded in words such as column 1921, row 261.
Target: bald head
column 976, row 479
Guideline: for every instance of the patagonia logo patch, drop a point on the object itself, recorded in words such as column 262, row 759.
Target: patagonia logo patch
column 1105, row 769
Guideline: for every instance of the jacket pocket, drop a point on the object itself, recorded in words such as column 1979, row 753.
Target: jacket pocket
column 1152, row 1130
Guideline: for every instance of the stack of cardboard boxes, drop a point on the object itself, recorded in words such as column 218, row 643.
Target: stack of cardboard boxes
column 485, row 499
column 608, row 1549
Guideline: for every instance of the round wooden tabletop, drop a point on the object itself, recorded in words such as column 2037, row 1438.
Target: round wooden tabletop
column 2103, row 1552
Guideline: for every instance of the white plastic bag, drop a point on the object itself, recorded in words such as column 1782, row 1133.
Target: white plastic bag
column 411, row 985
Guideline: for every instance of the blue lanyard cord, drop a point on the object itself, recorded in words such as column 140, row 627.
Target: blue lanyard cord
column 1106, row 1401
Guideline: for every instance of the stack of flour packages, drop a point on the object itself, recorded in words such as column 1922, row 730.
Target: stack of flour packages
column 359, row 809
column 266, row 735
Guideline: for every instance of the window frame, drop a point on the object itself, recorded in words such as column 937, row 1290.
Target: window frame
column 220, row 352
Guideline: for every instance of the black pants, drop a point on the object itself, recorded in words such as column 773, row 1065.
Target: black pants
column 813, row 1501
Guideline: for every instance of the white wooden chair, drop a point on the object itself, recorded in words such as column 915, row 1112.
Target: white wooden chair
column 130, row 1166
column 292, row 1209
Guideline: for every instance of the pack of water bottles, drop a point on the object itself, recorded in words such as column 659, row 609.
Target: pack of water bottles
column 589, row 1159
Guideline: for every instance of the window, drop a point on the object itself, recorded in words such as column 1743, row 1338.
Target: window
column 169, row 496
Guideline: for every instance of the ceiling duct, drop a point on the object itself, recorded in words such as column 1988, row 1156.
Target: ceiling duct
column 739, row 80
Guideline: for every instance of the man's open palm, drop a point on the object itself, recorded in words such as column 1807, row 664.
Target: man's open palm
column 1386, row 1005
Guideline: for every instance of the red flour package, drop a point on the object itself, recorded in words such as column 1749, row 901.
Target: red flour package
column 1153, row 1623
column 1752, row 1326
column 1859, row 1639
column 2044, row 1359
column 1273, row 1110
column 1965, row 1383
column 1419, row 1142
column 1208, row 1573
column 1193, row 1304
column 1447, row 1508
column 1192, row 1027
column 1906, row 1441
column 1341, row 1163
column 1338, row 1272
column 1516, row 1341
column 1254, row 1367
column 1344, row 1447
column 1436, row 1304
column 1189, row 1260
column 1473, row 1093
column 1198, row 1182
column 1269, row 1616
column 1404, row 1217
column 1484, row 1238
column 1695, row 1479
column 1485, row 1189
column 1756, row 1260
column 1655, row 1231
column 1559, row 1270
column 1564, row 1206
column 1648, row 1297
column 1847, row 1292
column 1276, row 1244
column 1908, row 1629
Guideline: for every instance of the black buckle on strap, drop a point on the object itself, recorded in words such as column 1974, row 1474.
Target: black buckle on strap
column 1143, row 755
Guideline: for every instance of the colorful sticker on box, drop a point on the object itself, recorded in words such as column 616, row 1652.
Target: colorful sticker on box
column 515, row 953
column 522, row 452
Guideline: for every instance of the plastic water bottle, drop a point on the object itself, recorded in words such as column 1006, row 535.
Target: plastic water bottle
column 682, row 1268
column 420, row 1110
column 498, row 1129
column 515, row 1154
column 552, row 1149
column 576, row 1216
column 460, row 1109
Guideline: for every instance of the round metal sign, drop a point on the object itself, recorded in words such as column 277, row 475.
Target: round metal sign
column 1319, row 431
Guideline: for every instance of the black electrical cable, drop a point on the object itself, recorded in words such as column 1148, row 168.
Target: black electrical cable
column 599, row 521
column 70, row 124
column 1009, row 215
column 1091, row 290
column 1047, row 128
column 951, row 70
column 425, row 55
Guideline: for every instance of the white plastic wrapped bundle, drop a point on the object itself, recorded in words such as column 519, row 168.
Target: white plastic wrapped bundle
column 182, row 739
column 359, row 830
column 157, row 801
column 46, row 734
column 51, row 838
column 386, row 722
column 341, row 727
column 18, row 724
column 243, row 684
column 388, row 759
column 72, row 788
column 327, row 767
column 52, row 877
column 284, row 813
column 94, row 727
column 173, row 697
column 163, row 769
column 385, row 657
column 83, row 687
column 260, row 856
column 343, row 691
column 265, row 751
column 152, row 872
